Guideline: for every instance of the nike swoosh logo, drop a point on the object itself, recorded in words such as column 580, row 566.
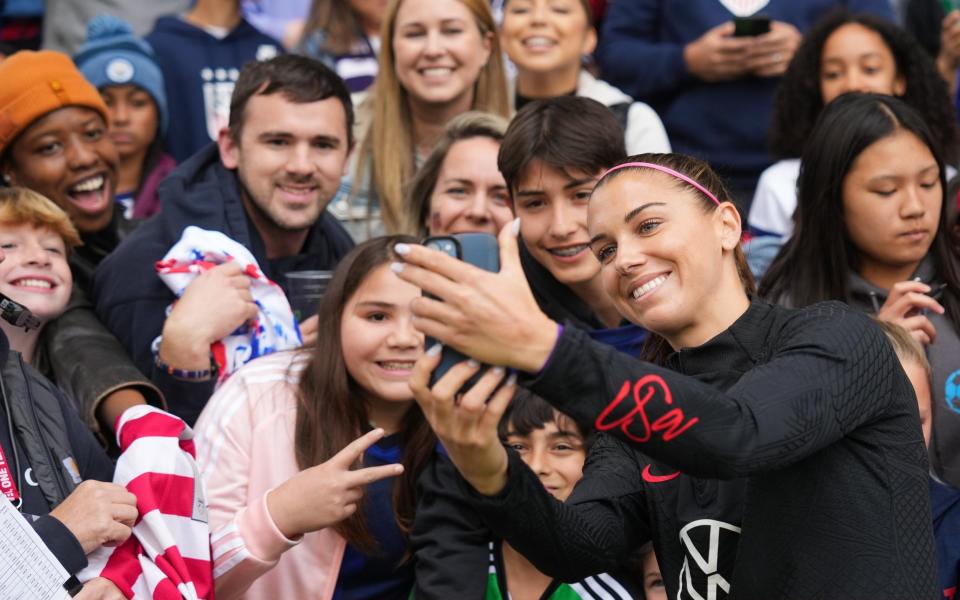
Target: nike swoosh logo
column 651, row 478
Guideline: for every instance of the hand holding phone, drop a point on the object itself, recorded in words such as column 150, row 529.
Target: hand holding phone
column 490, row 316
column 907, row 306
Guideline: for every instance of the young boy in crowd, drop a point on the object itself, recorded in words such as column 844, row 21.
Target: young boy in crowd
column 944, row 497
column 554, row 447
column 201, row 54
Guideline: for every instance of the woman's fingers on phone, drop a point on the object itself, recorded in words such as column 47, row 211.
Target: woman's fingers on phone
column 436, row 262
column 904, row 287
column 430, row 308
column 420, row 376
column 426, row 278
column 912, row 302
column 453, row 380
column 477, row 396
column 919, row 324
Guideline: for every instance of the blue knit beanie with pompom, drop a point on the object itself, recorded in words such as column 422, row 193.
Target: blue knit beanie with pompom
column 113, row 55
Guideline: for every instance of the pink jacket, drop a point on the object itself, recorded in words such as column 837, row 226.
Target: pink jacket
column 244, row 441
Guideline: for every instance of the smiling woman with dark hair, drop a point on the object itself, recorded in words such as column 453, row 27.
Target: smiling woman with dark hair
column 57, row 145
column 808, row 406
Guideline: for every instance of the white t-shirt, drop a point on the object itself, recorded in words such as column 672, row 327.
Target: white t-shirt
column 775, row 199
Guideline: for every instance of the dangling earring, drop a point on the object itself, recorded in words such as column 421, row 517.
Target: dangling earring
column 6, row 179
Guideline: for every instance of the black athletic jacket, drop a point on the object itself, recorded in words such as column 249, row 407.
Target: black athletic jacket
column 822, row 423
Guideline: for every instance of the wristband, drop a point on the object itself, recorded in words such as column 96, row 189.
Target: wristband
column 183, row 374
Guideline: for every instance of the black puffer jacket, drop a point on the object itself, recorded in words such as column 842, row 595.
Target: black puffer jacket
column 822, row 424
column 55, row 451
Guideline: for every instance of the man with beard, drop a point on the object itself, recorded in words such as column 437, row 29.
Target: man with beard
column 265, row 184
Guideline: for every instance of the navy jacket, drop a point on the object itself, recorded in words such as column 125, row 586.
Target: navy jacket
column 641, row 52
column 199, row 72
column 130, row 298
column 945, row 500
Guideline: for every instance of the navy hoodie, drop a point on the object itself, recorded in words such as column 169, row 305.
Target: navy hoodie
column 724, row 123
column 130, row 298
column 199, row 72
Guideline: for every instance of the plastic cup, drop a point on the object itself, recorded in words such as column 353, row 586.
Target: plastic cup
column 304, row 291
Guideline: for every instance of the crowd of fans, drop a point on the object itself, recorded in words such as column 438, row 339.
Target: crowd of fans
column 720, row 358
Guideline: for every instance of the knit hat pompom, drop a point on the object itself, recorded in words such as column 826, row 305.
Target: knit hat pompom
column 106, row 26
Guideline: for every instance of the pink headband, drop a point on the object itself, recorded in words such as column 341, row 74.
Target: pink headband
column 666, row 170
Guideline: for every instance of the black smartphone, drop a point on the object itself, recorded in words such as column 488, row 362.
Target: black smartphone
column 480, row 250
column 750, row 26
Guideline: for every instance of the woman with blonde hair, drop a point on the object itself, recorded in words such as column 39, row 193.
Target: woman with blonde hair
column 438, row 59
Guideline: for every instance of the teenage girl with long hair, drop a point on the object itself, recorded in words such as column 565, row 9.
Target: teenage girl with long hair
column 844, row 52
column 278, row 453
column 872, row 230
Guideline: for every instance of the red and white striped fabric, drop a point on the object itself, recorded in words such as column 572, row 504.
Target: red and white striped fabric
column 168, row 555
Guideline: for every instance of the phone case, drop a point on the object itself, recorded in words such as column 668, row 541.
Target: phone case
column 478, row 249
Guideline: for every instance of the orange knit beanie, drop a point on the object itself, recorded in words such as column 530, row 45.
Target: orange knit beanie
column 33, row 84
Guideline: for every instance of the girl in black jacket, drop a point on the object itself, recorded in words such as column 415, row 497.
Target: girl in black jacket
column 810, row 406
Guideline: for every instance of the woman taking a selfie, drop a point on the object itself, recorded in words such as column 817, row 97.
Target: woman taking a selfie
column 808, row 405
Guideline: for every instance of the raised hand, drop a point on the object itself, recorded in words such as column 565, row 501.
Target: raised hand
column 492, row 317
column 904, row 307
column 466, row 424
column 327, row 493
